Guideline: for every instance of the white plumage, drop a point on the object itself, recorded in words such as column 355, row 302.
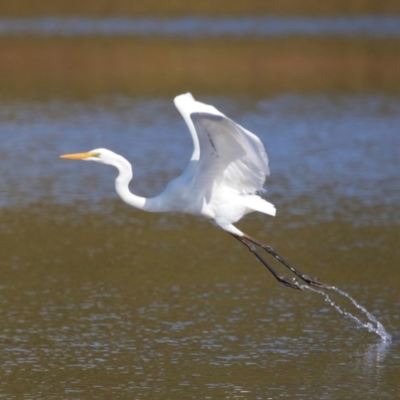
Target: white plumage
column 226, row 172
column 221, row 183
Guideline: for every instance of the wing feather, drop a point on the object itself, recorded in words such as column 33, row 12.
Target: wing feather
column 227, row 153
column 186, row 105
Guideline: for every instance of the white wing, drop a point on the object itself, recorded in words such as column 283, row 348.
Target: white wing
column 186, row 104
column 227, row 153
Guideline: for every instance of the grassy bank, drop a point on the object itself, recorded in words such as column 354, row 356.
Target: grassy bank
column 84, row 67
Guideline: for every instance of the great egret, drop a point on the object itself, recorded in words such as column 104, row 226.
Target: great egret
column 221, row 183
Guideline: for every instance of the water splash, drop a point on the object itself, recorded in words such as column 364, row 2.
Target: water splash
column 372, row 326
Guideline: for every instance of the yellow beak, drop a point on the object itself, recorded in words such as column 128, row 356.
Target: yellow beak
column 78, row 156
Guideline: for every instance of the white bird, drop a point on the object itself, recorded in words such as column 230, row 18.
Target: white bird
column 221, row 183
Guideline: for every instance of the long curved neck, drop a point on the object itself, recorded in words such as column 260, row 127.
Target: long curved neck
column 122, row 184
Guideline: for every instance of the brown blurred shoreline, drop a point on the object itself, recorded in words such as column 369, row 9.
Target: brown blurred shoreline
column 91, row 66
column 171, row 8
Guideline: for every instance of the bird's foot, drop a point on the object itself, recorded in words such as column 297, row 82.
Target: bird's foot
column 292, row 283
column 314, row 281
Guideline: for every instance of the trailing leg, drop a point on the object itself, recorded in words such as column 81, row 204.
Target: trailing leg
column 306, row 278
column 292, row 283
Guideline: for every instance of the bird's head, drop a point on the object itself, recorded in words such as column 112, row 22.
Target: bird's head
column 103, row 156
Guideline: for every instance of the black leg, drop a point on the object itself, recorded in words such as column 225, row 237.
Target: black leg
column 292, row 283
column 306, row 278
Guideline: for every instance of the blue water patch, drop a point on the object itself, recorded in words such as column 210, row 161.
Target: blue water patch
column 327, row 149
column 191, row 27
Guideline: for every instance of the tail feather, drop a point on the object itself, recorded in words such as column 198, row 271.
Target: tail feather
column 256, row 203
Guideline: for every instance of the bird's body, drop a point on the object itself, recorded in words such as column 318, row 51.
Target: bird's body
column 223, row 179
column 221, row 183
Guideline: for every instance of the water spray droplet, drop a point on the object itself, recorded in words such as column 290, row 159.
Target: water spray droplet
column 372, row 326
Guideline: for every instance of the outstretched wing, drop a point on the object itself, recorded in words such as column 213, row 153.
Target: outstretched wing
column 226, row 152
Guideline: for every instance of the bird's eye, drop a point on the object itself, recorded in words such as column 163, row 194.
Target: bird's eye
column 95, row 155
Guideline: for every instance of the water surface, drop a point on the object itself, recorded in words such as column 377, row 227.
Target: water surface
column 321, row 149
column 100, row 300
column 195, row 26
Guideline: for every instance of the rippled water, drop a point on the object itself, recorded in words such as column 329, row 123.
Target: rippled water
column 323, row 148
column 101, row 300
column 370, row 26
column 194, row 340
column 98, row 300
